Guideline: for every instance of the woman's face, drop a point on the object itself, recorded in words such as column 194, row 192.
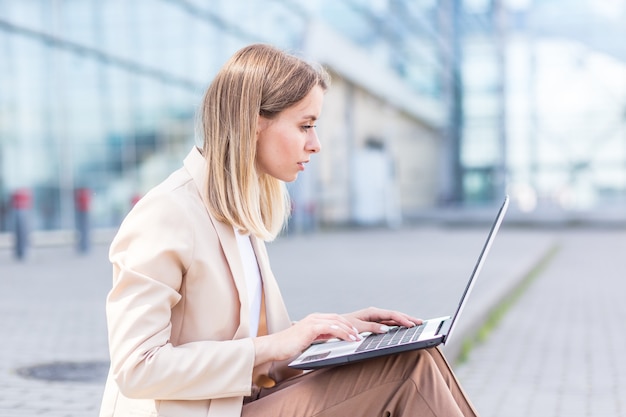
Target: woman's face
column 286, row 142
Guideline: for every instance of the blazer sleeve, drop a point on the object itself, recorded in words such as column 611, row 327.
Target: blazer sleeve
column 150, row 255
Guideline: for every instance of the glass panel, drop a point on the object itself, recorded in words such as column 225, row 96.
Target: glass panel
column 79, row 22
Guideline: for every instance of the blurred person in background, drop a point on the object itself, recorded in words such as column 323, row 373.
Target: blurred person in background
column 197, row 325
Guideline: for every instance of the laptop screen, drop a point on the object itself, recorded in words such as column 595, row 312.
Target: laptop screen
column 479, row 264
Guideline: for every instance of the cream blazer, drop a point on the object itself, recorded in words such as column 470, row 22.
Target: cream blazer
column 177, row 312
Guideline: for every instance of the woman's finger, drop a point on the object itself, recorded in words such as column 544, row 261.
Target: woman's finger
column 384, row 317
column 329, row 326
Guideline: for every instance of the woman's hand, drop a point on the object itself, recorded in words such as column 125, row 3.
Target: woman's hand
column 377, row 320
column 292, row 341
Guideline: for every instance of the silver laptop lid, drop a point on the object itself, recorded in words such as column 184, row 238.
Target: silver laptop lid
column 450, row 324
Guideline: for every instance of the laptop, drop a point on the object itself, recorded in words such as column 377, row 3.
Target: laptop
column 430, row 333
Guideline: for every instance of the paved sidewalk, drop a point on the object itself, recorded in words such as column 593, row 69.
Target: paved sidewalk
column 52, row 310
column 52, row 304
column 574, row 365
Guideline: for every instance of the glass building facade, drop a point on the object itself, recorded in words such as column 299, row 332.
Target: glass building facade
column 544, row 104
column 101, row 94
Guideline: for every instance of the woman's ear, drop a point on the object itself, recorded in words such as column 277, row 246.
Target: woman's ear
column 261, row 124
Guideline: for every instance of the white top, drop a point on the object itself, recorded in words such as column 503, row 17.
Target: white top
column 253, row 279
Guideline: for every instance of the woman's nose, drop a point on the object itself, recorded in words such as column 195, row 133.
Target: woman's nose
column 313, row 143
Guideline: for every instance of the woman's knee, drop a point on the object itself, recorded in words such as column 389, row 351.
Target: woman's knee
column 402, row 366
column 420, row 366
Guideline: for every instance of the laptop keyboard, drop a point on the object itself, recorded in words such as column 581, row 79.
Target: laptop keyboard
column 394, row 337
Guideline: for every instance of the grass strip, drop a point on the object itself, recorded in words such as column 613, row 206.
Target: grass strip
column 496, row 314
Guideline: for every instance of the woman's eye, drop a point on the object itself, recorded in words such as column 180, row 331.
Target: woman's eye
column 307, row 127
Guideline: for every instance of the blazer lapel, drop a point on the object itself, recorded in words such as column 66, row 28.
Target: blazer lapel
column 197, row 168
column 226, row 235
column 277, row 317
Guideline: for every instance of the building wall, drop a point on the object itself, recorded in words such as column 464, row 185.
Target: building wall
column 357, row 125
column 102, row 96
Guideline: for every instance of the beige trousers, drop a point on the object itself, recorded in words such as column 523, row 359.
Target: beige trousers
column 418, row 383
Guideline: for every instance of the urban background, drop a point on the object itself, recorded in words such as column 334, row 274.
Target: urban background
column 434, row 104
column 436, row 110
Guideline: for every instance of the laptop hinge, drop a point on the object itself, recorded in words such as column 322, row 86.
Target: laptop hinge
column 444, row 327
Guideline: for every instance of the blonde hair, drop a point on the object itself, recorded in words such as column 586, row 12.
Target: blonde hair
column 257, row 80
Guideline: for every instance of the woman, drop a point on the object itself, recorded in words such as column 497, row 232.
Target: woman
column 197, row 325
